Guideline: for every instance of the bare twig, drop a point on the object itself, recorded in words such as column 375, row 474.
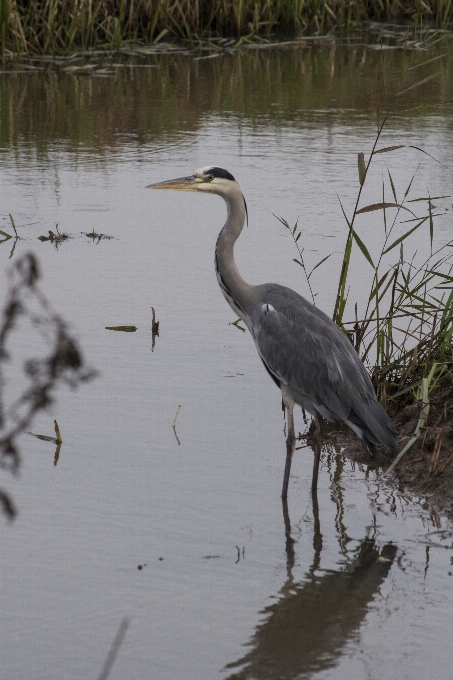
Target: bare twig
column 174, row 424
column 447, row 462
column 435, row 457
column 61, row 362
column 176, row 415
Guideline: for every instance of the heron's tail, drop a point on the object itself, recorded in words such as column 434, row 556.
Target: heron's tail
column 373, row 427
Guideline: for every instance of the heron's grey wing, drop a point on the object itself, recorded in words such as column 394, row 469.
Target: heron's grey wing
column 302, row 348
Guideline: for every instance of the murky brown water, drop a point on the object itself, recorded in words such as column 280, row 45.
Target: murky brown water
column 230, row 585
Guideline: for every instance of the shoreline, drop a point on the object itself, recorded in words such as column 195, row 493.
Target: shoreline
column 389, row 37
column 426, row 470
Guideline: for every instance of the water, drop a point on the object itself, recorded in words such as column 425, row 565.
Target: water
column 229, row 585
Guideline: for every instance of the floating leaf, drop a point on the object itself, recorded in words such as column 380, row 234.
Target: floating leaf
column 44, row 437
column 124, row 329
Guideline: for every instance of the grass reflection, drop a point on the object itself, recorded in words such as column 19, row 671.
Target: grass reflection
column 92, row 115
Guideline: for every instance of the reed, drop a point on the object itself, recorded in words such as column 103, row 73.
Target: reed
column 405, row 330
column 43, row 26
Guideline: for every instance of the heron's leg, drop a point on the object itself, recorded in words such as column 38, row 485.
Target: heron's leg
column 319, row 431
column 290, row 446
column 317, row 445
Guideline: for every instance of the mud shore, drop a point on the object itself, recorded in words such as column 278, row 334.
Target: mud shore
column 427, row 468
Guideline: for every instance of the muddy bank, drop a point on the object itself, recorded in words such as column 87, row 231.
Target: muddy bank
column 427, row 468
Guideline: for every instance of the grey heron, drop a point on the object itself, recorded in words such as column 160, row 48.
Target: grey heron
column 305, row 353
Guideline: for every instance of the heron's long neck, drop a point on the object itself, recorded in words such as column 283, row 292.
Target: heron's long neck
column 234, row 288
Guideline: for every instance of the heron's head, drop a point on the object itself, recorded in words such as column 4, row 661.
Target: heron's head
column 212, row 179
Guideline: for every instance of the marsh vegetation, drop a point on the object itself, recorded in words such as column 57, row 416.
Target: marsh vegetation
column 57, row 26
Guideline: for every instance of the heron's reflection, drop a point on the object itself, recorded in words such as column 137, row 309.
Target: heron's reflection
column 306, row 629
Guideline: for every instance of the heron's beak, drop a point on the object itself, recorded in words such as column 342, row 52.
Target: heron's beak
column 181, row 184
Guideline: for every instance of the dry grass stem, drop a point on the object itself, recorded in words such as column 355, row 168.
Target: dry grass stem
column 176, row 415
column 435, row 457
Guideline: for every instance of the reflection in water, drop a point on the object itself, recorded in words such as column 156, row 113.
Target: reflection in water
column 306, row 630
column 139, row 105
column 154, row 331
column 174, row 424
column 57, row 454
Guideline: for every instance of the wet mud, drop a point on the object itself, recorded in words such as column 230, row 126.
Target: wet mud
column 427, row 468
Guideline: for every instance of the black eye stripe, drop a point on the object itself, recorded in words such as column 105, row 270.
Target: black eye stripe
column 221, row 173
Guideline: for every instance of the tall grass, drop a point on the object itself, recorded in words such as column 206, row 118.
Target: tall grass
column 59, row 25
column 408, row 319
column 404, row 330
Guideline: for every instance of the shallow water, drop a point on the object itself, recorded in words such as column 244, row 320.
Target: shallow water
column 231, row 584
